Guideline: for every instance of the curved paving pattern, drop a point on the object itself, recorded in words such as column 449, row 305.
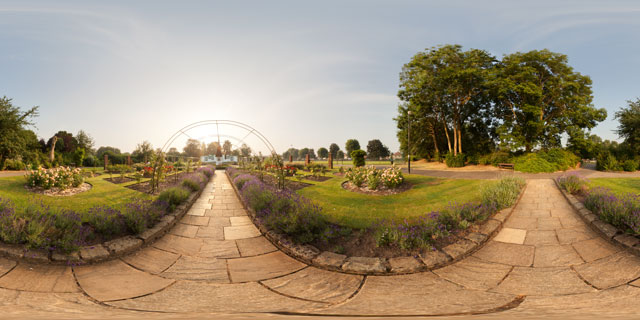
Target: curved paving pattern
column 544, row 261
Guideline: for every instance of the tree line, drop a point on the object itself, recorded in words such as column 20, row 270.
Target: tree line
column 375, row 150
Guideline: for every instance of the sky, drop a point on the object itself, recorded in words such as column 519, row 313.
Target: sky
column 302, row 73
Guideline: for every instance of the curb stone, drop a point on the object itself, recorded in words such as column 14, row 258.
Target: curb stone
column 107, row 250
column 428, row 260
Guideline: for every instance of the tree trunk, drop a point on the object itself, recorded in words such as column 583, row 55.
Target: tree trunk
column 459, row 138
column 435, row 141
column 446, row 131
column 455, row 140
column 52, row 155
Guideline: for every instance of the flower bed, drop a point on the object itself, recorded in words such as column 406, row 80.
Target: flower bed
column 61, row 178
column 370, row 178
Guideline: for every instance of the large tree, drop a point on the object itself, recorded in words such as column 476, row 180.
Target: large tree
column 352, row 144
column 323, row 153
column 446, row 88
column 629, row 125
column 293, row 152
column 143, row 152
column 226, row 147
column 539, row 97
column 193, row 149
column 333, row 149
column 14, row 137
column 85, row 141
column 376, row 150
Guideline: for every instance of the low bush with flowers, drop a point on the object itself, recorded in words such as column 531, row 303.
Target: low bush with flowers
column 620, row 210
column 60, row 177
column 373, row 178
column 289, row 171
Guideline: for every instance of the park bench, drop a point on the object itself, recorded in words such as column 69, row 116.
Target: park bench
column 505, row 166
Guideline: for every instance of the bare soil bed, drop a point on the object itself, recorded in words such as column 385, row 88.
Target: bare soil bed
column 56, row 192
column 119, row 180
column 171, row 181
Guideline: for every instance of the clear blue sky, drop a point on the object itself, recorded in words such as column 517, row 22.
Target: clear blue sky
column 303, row 73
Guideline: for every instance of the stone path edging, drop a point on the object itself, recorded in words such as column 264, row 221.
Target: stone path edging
column 427, row 261
column 606, row 230
column 105, row 251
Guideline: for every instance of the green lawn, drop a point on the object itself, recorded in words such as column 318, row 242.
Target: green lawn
column 358, row 210
column 617, row 185
column 102, row 193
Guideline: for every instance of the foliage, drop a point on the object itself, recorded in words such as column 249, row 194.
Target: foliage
column 629, row 124
column 333, row 150
column 376, row 150
column 503, row 194
column 572, row 183
column 323, row 153
column 143, row 152
column 630, row 165
column 61, row 177
column 15, row 139
column 193, row 149
column 358, row 157
column 622, row 211
column 546, row 161
column 207, row 171
column 455, row 161
column 351, row 145
column 174, row 196
column 85, row 141
column 78, row 157
column 391, row 177
column 607, row 162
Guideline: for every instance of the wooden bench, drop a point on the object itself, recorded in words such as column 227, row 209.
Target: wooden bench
column 505, row 166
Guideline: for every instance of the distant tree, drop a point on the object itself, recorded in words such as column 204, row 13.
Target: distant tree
column 312, row 154
column 192, row 149
column 340, row 154
column 85, row 141
column 66, row 142
column 173, row 152
column 245, row 151
column 78, row 157
column 629, row 125
column 352, row 144
column 333, row 150
column 293, row 152
column 323, row 153
column 226, row 147
column 376, row 150
column 102, row 150
column 13, row 129
column 143, row 152
column 213, row 148
column 303, row 153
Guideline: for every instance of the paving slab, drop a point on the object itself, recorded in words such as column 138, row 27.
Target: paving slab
column 6, row 265
column 255, row 246
column 212, row 248
column 180, row 245
column 211, row 232
column 594, row 249
column 611, row 271
column 184, row 230
column 196, row 268
column 524, row 223
column 195, row 220
column 241, row 232
column 40, row 278
column 510, row 235
column 219, row 222
column 506, row 253
column 240, row 221
column 317, row 285
column 196, row 212
column 474, row 273
column 419, row 294
column 551, row 223
column 218, row 298
column 262, row 267
column 115, row 280
column 556, row 256
column 543, row 281
column 151, row 260
column 569, row 236
column 541, row 238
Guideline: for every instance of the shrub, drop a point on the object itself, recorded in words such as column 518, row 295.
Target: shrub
column 61, row 177
column 174, row 196
column 10, row 164
column 392, row 177
column 630, row 165
column 190, row 184
column 141, row 214
column 572, row 183
column 417, row 233
column 552, row 160
column 504, row 193
column 495, row 158
column 358, row 157
column 106, row 220
column 356, row 175
column 373, row 179
column 621, row 211
column 455, row 161
column 607, row 162
column 241, row 179
column 206, row 171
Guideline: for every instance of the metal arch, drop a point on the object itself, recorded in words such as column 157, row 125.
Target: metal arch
column 237, row 124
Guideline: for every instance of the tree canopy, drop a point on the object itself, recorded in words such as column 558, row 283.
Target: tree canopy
column 333, row 149
column 352, row 144
column 14, row 135
column 629, row 124
column 376, row 150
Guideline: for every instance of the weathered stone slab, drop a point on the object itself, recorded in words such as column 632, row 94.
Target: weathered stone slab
column 556, row 256
column 364, row 265
column 502, row 214
column 196, row 268
column 506, row 253
column 552, row 223
column 240, row 221
column 521, row 223
column 510, row 235
column 195, row 220
column 123, row 245
column 304, row 252
column 405, row 265
column 69, row 258
column 434, row 259
column 219, row 249
column 152, row 260
column 541, row 238
column 184, row 230
column 180, row 245
column 611, row 271
column 39, row 278
column 606, row 229
column 271, row 265
column 490, row 227
column 94, row 253
column 36, row 256
column 626, row 240
column 196, row 212
column 11, row 251
column 476, row 237
column 254, row 246
column 317, row 285
column 211, row 232
column 474, row 273
column 594, row 249
column 460, row 248
column 6, row 265
column 241, row 232
column 591, row 218
column 543, row 281
column 115, row 280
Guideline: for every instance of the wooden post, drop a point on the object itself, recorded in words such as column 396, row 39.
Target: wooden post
column 106, row 161
column 129, row 160
column 330, row 161
column 290, row 158
column 307, row 160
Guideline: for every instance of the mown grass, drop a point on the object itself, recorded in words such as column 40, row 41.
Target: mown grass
column 617, row 185
column 358, row 210
column 102, row 193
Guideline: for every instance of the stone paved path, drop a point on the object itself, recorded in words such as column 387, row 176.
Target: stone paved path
column 545, row 261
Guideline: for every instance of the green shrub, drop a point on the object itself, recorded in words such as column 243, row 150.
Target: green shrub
column 607, row 162
column 546, row 161
column 174, row 196
column 191, row 185
column 358, row 157
column 503, row 194
column 630, row 165
column 373, row 179
column 455, row 161
column 10, row 164
column 572, row 183
column 495, row 158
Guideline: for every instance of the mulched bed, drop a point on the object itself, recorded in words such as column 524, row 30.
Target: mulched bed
column 319, row 179
column 169, row 182
column 119, row 180
column 289, row 184
column 55, row 192
column 382, row 191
